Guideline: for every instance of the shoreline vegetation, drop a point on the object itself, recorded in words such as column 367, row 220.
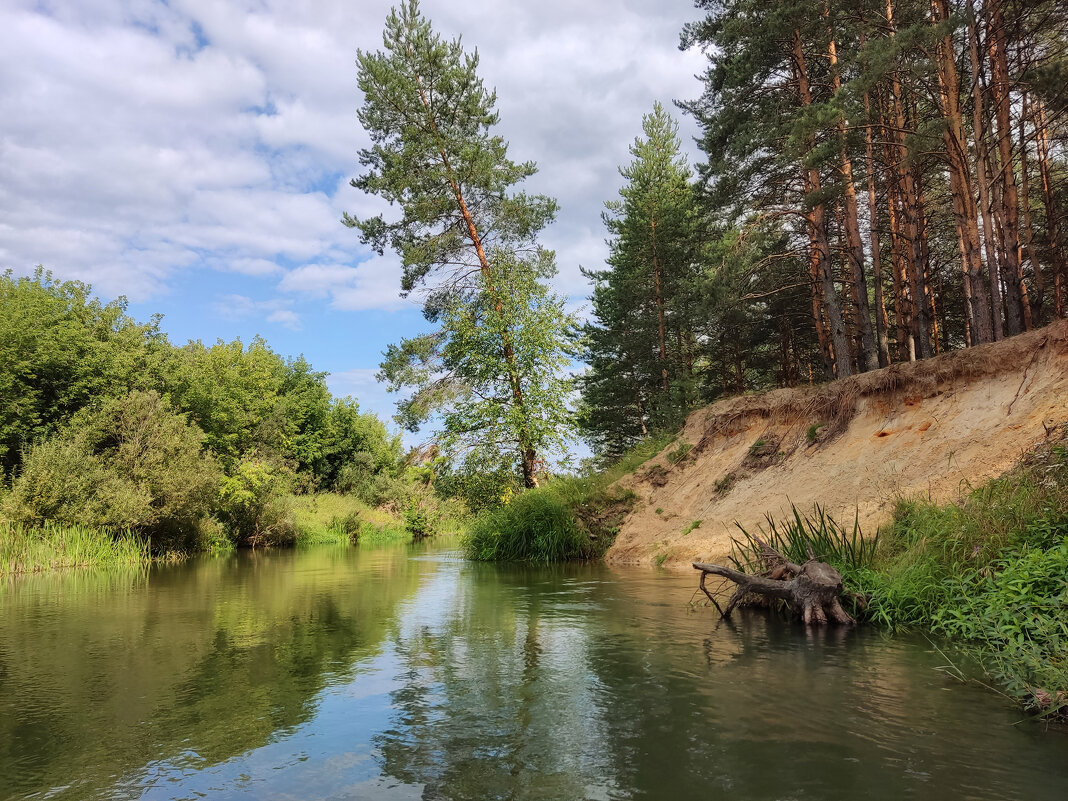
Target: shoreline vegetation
column 117, row 447
column 988, row 572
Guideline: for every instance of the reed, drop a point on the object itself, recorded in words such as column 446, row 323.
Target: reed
column 26, row 549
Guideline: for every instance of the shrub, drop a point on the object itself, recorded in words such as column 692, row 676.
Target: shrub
column 253, row 503
column 418, row 522
column 537, row 526
column 133, row 463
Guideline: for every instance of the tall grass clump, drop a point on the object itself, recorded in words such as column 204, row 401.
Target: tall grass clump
column 537, row 526
column 569, row 518
column 800, row 537
column 34, row 549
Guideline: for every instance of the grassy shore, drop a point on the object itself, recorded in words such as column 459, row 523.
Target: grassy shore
column 568, row 518
column 327, row 517
column 57, row 547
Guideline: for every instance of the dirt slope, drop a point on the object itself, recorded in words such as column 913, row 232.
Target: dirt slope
column 934, row 428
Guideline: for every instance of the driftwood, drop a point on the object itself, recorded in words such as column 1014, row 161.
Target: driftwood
column 813, row 589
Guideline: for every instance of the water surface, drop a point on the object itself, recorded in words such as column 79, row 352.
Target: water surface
column 406, row 673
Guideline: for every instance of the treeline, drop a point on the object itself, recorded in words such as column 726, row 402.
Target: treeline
column 883, row 181
column 105, row 423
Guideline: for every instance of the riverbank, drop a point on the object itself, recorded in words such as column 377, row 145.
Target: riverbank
column 315, row 519
column 989, row 571
column 937, row 427
column 37, row 549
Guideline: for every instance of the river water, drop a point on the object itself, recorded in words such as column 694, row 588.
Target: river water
column 407, row 673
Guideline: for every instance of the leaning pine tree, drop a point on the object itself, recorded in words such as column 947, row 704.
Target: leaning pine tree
column 494, row 367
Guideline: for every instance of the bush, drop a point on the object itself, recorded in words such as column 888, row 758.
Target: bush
column 384, row 490
column 418, row 522
column 253, row 502
column 537, row 526
column 133, row 463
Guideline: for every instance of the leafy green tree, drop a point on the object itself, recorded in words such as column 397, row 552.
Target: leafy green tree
column 460, row 372
column 463, row 236
column 60, row 349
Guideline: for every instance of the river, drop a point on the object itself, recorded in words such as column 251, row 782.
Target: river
column 407, row 673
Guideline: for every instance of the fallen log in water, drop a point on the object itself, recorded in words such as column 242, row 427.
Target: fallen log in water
column 813, row 590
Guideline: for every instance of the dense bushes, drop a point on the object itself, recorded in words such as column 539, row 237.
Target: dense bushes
column 568, row 518
column 104, row 423
column 133, row 463
column 536, row 526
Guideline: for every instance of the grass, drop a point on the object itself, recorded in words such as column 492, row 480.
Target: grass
column 330, row 518
column 56, row 547
column 569, row 518
column 801, row 536
column 678, row 454
column 694, row 525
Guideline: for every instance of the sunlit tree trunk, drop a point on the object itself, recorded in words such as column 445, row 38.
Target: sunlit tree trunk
column 881, row 322
column 868, row 355
column 964, row 209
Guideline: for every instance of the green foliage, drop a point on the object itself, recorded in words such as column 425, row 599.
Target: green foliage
column 641, row 342
column 537, row 526
column 813, row 432
column 567, row 519
column 60, row 348
column 693, row 525
column 104, row 424
column 419, row 521
column 133, row 463
column 480, row 484
column 253, row 503
column 29, row 549
column 493, row 369
column 801, row 537
column 680, row 452
column 724, row 483
column 990, row 570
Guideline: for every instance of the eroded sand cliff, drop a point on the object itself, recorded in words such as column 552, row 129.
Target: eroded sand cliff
column 934, row 428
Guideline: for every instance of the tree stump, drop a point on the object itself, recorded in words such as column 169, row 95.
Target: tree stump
column 812, row 590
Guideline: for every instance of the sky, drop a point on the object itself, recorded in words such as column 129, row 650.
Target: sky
column 195, row 155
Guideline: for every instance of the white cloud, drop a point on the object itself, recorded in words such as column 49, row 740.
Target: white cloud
column 140, row 138
column 242, row 307
column 374, row 284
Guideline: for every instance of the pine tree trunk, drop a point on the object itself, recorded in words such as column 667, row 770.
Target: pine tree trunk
column 881, row 322
column 917, row 344
column 921, row 291
column 1053, row 229
column 902, row 303
column 964, row 209
column 868, row 355
column 1037, row 298
column 983, row 174
column 819, row 250
column 1010, row 204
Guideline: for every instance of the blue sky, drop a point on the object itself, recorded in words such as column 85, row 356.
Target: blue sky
column 194, row 155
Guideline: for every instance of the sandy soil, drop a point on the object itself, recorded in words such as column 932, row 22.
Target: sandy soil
column 934, row 428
